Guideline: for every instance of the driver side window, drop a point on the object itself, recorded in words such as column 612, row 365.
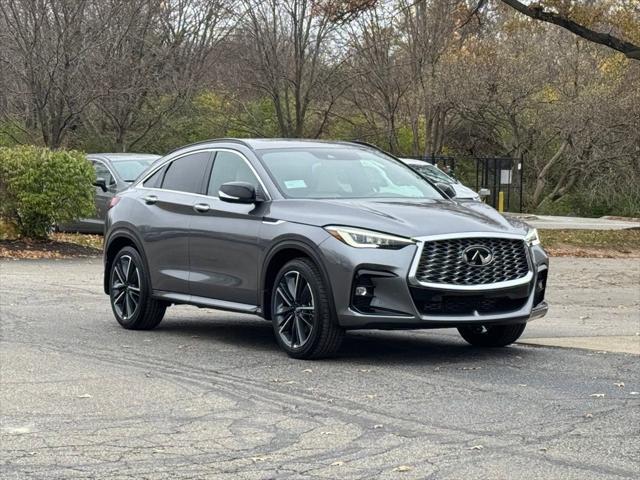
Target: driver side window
column 103, row 172
column 229, row 167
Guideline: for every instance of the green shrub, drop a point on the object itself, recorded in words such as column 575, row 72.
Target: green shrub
column 40, row 187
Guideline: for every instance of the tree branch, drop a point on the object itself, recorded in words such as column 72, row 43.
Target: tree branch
column 538, row 13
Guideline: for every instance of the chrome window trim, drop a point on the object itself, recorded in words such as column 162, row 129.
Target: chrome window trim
column 140, row 183
column 420, row 241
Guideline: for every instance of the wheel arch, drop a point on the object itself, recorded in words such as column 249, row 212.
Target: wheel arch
column 276, row 258
column 116, row 241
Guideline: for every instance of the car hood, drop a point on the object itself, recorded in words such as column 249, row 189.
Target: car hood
column 405, row 217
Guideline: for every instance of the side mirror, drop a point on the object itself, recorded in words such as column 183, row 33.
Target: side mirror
column 102, row 183
column 447, row 189
column 237, row 192
column 484, row 192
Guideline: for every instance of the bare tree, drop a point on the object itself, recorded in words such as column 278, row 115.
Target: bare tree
column 49, row 44
column 288, row 57
column 380, row 81
column 562, row 19
column 152, row 62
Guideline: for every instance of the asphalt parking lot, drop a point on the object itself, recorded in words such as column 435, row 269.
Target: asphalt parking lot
column 209, row 395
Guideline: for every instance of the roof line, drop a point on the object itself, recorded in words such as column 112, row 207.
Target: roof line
column 212, row 140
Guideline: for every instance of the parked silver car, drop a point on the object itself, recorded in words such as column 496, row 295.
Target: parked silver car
column 433, row 173
column 114, row 173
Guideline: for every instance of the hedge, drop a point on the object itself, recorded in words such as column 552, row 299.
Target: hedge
column 40, row 188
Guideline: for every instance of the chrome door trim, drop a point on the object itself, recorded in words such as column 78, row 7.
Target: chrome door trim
column 140, row 183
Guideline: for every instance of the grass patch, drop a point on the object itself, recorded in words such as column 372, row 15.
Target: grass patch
column 599, row 243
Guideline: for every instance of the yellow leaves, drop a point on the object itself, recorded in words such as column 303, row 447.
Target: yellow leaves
column 550, row 94
column 614, row 65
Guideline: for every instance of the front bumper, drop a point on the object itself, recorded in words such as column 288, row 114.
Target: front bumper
column 398, row 301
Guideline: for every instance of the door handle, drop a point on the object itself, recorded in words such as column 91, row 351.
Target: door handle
column 150, row 199
column 201, row 207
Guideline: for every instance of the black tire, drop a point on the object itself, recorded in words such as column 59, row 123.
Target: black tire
column 492, row 335
column 313, row 316
column 147, row 312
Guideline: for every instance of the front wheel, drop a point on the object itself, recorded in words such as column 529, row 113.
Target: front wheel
column 492, row 335
column 130, row 292
column 303, row 319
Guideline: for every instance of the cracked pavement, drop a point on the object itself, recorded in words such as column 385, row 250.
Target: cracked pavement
column 209, row 395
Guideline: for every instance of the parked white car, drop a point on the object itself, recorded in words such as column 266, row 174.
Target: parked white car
column 433, row 173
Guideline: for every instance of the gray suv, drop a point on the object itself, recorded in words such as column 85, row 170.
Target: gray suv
column 318, row 238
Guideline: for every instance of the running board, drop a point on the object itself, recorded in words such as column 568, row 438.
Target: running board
column 183, row 298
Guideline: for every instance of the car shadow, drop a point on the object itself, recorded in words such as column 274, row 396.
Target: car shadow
column 366, row 346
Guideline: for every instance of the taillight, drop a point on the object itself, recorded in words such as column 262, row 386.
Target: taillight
column 113, row 202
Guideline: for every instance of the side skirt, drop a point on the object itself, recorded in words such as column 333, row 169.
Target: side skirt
column 204, row 302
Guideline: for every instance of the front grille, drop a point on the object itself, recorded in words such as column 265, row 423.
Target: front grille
column 442, row 262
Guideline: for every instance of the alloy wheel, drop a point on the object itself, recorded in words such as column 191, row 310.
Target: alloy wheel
column 125, row 287
column 294, row 309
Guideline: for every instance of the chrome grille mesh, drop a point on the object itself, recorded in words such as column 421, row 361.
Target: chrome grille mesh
column 442, row 262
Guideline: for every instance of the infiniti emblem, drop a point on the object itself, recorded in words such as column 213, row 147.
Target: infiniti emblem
column 477, row 256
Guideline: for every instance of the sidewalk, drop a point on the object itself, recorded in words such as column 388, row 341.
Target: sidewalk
column 566, row 223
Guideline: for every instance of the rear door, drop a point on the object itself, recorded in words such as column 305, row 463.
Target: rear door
column 169, row 196
column 223, row 246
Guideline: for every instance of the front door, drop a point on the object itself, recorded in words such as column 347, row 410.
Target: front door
column 223, row 245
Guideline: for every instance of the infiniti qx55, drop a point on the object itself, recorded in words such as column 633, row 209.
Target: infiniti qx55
column 318, row 238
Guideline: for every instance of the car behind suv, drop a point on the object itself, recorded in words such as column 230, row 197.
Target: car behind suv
column 114, row 172
column 318, row 238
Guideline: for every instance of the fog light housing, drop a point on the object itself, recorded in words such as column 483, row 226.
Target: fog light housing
column 363, row 293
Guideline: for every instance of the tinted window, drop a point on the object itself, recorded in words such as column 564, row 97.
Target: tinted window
column 229, row 167
column 185, row 174
column 155, row 180
column 343, row 173
column 103, row 172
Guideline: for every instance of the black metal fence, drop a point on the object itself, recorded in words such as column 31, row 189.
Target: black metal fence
column 496, row 174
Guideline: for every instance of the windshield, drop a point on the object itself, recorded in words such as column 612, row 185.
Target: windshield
column 433, row 173
column 129, row 170
column 347, row 172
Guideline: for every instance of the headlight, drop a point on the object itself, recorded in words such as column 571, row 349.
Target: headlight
column 359, row 238
column 532, row 237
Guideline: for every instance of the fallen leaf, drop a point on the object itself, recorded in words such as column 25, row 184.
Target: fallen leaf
column 403, row 468
column 620, row 384
column 588, row 415
column 377, row 426
column 543, row 449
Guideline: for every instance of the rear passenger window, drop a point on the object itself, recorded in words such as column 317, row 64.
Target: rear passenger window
column 186, row 173
column 155, row 180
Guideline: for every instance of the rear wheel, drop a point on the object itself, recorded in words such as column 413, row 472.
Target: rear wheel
column 492, row 335
column 130, row 292
column 303, row 319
